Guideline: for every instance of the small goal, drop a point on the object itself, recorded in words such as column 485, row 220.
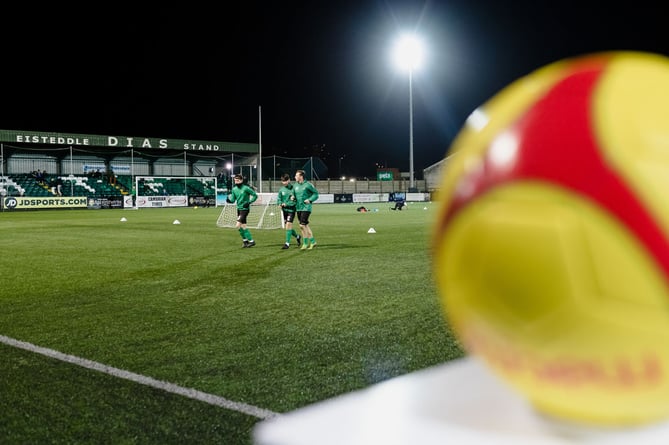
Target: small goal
column 264, row 214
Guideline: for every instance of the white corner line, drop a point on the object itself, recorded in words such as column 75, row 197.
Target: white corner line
column 144, row 380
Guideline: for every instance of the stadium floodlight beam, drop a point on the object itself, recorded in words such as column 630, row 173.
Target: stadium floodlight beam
column 408, row 55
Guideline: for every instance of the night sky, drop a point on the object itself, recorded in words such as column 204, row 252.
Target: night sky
column 320, row 71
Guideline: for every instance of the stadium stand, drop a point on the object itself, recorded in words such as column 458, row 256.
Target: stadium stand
column 23, row 184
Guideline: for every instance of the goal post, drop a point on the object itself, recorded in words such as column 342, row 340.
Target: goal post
column 264, row 214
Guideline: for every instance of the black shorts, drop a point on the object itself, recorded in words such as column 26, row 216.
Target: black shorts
column 288, row 216
column 303, row 217
column 241, row 216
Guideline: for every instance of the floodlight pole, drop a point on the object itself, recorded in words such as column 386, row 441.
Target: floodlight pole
column 260, row 147
column 408, row 54
column 411, row 177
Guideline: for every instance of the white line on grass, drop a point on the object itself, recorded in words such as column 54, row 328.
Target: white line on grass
column 144, row 380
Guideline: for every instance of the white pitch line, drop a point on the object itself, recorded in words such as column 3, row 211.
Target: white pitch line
column 144, row 380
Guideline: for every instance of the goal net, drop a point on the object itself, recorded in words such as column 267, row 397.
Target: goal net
column 264, row 214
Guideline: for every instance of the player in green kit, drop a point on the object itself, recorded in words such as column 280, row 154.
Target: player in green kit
column 305, row 195
column 244, row 196
column 286, row 200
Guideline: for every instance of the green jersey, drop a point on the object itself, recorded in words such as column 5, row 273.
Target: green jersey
column 303, row 192
column 287, row 196
column 243, row 195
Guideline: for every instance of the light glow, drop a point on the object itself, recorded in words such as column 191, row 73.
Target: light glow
column 478, row 119
column 408, row 53
column 504, row 151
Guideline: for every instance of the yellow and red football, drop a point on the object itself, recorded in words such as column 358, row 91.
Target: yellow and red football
column 551, row 250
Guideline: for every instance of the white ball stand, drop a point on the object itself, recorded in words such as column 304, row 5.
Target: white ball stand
column 459, row 402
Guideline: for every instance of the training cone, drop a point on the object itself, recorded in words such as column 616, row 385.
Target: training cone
column 371, row 230
column 123, row 219
column 176, row 221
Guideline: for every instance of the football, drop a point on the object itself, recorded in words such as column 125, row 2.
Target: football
column 551, row 247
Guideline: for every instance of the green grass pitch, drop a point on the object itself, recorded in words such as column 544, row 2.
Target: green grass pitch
column 185, row 304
